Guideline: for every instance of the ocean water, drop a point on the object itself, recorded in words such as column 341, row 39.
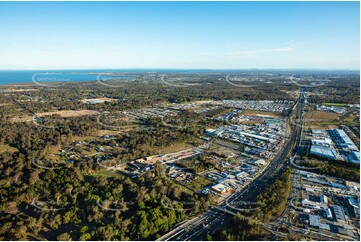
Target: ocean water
column 14, row 77
column 29, row 76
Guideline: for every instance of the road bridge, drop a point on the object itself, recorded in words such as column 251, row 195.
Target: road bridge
column 222, row 209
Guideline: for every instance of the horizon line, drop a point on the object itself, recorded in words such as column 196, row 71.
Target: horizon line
column 149, row 68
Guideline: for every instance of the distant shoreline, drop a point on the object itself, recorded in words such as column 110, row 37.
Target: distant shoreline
column 24, row 77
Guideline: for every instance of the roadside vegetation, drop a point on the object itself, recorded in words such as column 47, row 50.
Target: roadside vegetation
column 272, row 202
column 240, row 229
column 341, row 169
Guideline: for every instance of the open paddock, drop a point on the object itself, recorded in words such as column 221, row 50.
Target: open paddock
column 321, row 116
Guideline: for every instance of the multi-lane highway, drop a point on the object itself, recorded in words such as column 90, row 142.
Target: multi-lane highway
column 199, row 227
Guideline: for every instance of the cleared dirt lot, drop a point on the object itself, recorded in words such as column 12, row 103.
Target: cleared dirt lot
column 259, row 113
column 62, row 113
column 98, row 100
column 69, row 113
column 318, row 116
column 20, row 90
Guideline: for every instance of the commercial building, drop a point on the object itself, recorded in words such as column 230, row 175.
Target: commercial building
column 317, row 133
column 323, row 199
column 316, row 223
column 339, row 213
column 328, row 213
column 325, row 226
column 323, row 151
column 218, row 132
column 221, row 189
column 313, row 205
column 322, row 142
column 353, row 202
column 209, row 131
column 341, row 139
column 322, row 147
column 314, row 220
column 354, row 157
column 331, row 109
column 354, row 205
column 213, row 132
column 253, row 136
column 339, row 147
column 260, row 162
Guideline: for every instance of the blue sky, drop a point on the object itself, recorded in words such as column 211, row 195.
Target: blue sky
column 186, row 35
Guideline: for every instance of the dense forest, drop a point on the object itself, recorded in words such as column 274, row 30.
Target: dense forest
column 341, row 169
column 75, row 190
column 75, row 205
column 273, row 200
column 338, row 90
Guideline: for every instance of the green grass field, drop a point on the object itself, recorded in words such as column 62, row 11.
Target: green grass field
column 174, row 148
column 109, row 173
column 198, row 183
column 346, row 120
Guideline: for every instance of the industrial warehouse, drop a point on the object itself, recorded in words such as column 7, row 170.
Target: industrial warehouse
column 334, row 145
column 261, row 139
column 329, row 204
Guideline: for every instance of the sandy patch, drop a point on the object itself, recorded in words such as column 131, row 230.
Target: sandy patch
column 20, row 90
column 62, row 113
column 259, row 113
column 69, row 113
column 203, row 102
column 98, row 100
